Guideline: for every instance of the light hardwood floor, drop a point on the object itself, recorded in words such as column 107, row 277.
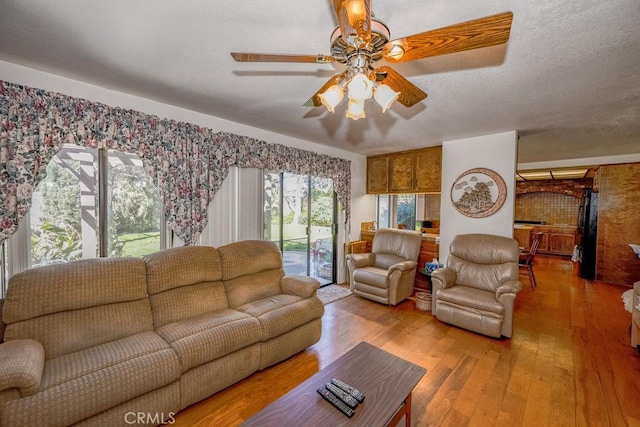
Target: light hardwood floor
column 568, row 363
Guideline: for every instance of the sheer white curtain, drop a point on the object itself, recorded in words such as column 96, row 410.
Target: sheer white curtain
column 236, row 211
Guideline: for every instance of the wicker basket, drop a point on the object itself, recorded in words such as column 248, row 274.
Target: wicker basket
column 423, row 301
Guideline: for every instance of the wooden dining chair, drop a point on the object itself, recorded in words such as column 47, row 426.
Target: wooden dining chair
column 526, row 259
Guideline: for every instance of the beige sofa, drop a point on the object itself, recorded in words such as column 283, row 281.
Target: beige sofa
column 477, row 289
column 387, row 274
column 126, row 340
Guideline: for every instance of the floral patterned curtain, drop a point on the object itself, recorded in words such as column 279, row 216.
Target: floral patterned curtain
column 187, row 162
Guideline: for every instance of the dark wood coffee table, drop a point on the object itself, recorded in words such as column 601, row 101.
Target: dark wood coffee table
column 386, row 381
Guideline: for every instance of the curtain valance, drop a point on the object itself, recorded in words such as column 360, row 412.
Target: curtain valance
column 187, row 162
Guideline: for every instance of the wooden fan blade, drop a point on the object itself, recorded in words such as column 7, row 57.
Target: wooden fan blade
column 483, row 32
column 354, row 18
column 410, row 94
column 269, row 57
column 314, row 101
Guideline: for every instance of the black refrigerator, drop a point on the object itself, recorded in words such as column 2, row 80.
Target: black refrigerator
column 588, row 231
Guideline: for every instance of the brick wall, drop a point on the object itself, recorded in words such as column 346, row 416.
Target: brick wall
column 552, row 208
column 555, row 202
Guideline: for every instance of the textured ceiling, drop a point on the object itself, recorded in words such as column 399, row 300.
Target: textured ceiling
column 568, row 80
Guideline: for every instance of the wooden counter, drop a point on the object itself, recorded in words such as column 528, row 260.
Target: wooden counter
column 556, row 239
column 429, row 250
column 522, row 233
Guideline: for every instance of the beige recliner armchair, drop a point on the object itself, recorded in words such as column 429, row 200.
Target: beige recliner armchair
column 387, row 274
column 477, row 289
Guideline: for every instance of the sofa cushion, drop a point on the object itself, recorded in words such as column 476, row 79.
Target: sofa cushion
column 70, row 331
column 372, row 276
column 484, row 261
column 75, row 285
column 184, row 283
column 387, row 260
column 210, row 336
column 282, row 313
column 182, row 266
column 471, row 298
column 249, row 257
column 252, row 287
column 77, row 305
column 186, row 302
column 81, row 384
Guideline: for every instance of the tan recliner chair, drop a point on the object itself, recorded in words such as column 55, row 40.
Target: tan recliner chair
column 477, row 289
column 387, row 274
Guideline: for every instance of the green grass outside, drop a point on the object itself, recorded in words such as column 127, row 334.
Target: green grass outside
column 294, row 235
column 140, row 244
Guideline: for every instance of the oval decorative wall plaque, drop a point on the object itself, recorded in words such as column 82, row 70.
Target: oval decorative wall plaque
column 478, row 193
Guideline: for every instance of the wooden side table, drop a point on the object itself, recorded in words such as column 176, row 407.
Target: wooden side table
column 427, row 279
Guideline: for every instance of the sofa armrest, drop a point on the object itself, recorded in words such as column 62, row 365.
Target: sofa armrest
column 361, row 260
column 443, row 278
column 21, row 366
column 509, row 287
column 302, row 286
column 403, row 266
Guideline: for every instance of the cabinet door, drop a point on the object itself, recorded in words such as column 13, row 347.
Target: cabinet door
column 428, row 170
column 522, row 235
column 544, row 242
column 377, row 175
column 561, row 244
column 401, row 173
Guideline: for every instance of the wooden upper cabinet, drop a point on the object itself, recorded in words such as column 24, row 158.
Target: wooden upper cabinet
column 401, row 167
column 428, row 170
column 415, row 171
column 378, row 175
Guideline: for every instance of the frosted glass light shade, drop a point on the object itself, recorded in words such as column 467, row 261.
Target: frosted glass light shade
column 385, row 96
column 396, row 52
column 355, row 110
column 331, row 97
column 360, row 88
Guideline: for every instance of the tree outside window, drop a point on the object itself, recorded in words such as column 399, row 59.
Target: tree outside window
column 406, row 210
column 64, row 217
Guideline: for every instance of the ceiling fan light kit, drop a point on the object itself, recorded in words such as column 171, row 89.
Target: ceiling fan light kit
column 355, row 110
column 385, row 96
column 331, row 97
column 360, row 40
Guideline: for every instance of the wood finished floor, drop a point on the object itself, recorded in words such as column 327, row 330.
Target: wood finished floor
column 569, row 362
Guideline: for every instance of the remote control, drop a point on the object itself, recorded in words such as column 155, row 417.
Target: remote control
column 342, row 395
column 339, row 404
column 346, row 387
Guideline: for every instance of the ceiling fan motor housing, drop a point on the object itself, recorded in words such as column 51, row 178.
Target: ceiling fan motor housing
column 342, row 50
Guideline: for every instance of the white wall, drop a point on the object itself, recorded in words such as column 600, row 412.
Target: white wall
column 362, row 205
column 496, row 152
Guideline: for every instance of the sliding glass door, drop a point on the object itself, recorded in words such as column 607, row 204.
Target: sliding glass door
column 300, row 213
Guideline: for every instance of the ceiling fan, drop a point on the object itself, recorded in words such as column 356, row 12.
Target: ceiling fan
column 360, row 40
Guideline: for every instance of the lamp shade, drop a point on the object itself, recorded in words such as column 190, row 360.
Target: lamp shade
column 385, row 96
column 331, row 97
column 356, row 109
column 360, row 88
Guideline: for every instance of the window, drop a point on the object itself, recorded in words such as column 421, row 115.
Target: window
column 70, row 220
column 384, row 215
column 300, row 215
column 396, row 209
column 133, row 207
column 406, row 210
